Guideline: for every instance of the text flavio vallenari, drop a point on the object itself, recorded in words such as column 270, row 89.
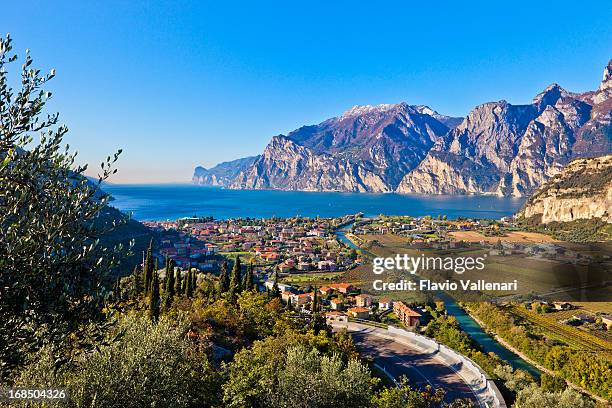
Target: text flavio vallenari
column 426, row 284
column 414, row 264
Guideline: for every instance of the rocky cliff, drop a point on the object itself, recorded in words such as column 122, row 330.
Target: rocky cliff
column 582, row 190
column 499, row 148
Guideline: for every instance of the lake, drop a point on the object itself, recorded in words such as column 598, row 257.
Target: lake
column 171, row 201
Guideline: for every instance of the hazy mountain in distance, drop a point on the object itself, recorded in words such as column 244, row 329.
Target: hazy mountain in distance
column 223, row 173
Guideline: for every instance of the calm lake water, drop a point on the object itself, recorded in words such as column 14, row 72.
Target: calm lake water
column 171, row 201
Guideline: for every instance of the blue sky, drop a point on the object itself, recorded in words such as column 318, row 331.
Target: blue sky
column 177, row 84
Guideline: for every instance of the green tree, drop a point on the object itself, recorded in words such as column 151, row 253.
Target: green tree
column 136, row 282
column 178, row 289
column 186, row 286
column 315, row 300
column 552, row 383
column 275, row 292
column 276, row 371
column 141, row 364
column 194, row 281
column 234, row 285
column 247, row 279
column 224, row 281
column 54, row 264
column 330, row 382
column 148, row 268
column 170, row 283
column 154, row 298
column 406, row 396
column 514, row 380
column 535, row 397
column 189, row 284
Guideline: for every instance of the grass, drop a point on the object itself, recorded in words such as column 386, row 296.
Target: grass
column 311, row 278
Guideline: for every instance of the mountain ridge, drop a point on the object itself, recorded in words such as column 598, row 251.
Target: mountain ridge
column 498, row 148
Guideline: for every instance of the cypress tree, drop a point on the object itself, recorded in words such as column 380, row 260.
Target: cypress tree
column 148, row 268
column 247, row 279
column 194, row 282
column 224, row 281
column 234, row 285
column 178, row 288
column 170, row 277
column 136, row 282
column 154, row 298
column 275, row 290
column 318, row 322
column 186, row 284
column 189, row 284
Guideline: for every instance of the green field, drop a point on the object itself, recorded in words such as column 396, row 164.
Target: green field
column 311, row 278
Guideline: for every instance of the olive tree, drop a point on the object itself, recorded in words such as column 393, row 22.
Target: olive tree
column 52, row 264
column 146, row 364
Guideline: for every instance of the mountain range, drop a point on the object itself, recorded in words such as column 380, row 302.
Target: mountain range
column 498, row 148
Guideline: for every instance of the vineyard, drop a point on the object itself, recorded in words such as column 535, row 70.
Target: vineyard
column 572, row 336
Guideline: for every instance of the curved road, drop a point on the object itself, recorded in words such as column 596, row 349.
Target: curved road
column 400, row 358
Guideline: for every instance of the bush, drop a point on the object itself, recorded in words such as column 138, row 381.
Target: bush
column 534, row 397
column 552, row 383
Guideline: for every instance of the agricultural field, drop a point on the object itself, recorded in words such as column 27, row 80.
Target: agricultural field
column 390, row 240
column 510, row 236
column 596, row 307
column 578, row 338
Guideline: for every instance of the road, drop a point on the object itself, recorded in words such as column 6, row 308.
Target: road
column 399, row 358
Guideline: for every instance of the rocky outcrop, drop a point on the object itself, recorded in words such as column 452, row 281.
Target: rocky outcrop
column 582, row 190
